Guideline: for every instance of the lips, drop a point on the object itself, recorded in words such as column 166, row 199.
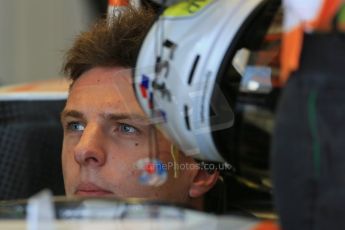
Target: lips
column 90, row 189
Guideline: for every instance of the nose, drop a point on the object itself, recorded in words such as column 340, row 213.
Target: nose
column 90, row 152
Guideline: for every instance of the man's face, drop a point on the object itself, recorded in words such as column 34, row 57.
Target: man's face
column 105, row 134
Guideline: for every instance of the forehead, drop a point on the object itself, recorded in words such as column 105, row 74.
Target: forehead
column 104, row 76
column 105, row 89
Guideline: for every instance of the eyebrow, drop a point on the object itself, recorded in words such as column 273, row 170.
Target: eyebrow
column 107, row 116
column 124, row 116
column 71, row 113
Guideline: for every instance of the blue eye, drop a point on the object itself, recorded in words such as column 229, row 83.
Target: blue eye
column 128, row 129
column 75, row 126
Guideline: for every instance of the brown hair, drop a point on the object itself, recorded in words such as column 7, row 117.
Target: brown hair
column 109, row 44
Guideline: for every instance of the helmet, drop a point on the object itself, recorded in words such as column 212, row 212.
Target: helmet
column 193, row 67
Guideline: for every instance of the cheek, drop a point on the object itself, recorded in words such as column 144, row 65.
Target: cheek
column 64, row 156
column 132, row 146
column 122, row 162
column 67, row 154
column 69, row 165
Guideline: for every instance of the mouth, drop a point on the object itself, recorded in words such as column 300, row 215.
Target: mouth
column 90, row 189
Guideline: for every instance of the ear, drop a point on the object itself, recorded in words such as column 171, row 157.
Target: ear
column 202, row 183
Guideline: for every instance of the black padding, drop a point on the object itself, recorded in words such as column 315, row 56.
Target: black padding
column 309, row 139
column 30, row 148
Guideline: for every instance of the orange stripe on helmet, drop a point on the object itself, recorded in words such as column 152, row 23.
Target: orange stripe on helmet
column 267, row 225
column 118, row 2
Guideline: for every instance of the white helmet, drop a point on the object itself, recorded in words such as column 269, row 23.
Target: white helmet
column 181, row 72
